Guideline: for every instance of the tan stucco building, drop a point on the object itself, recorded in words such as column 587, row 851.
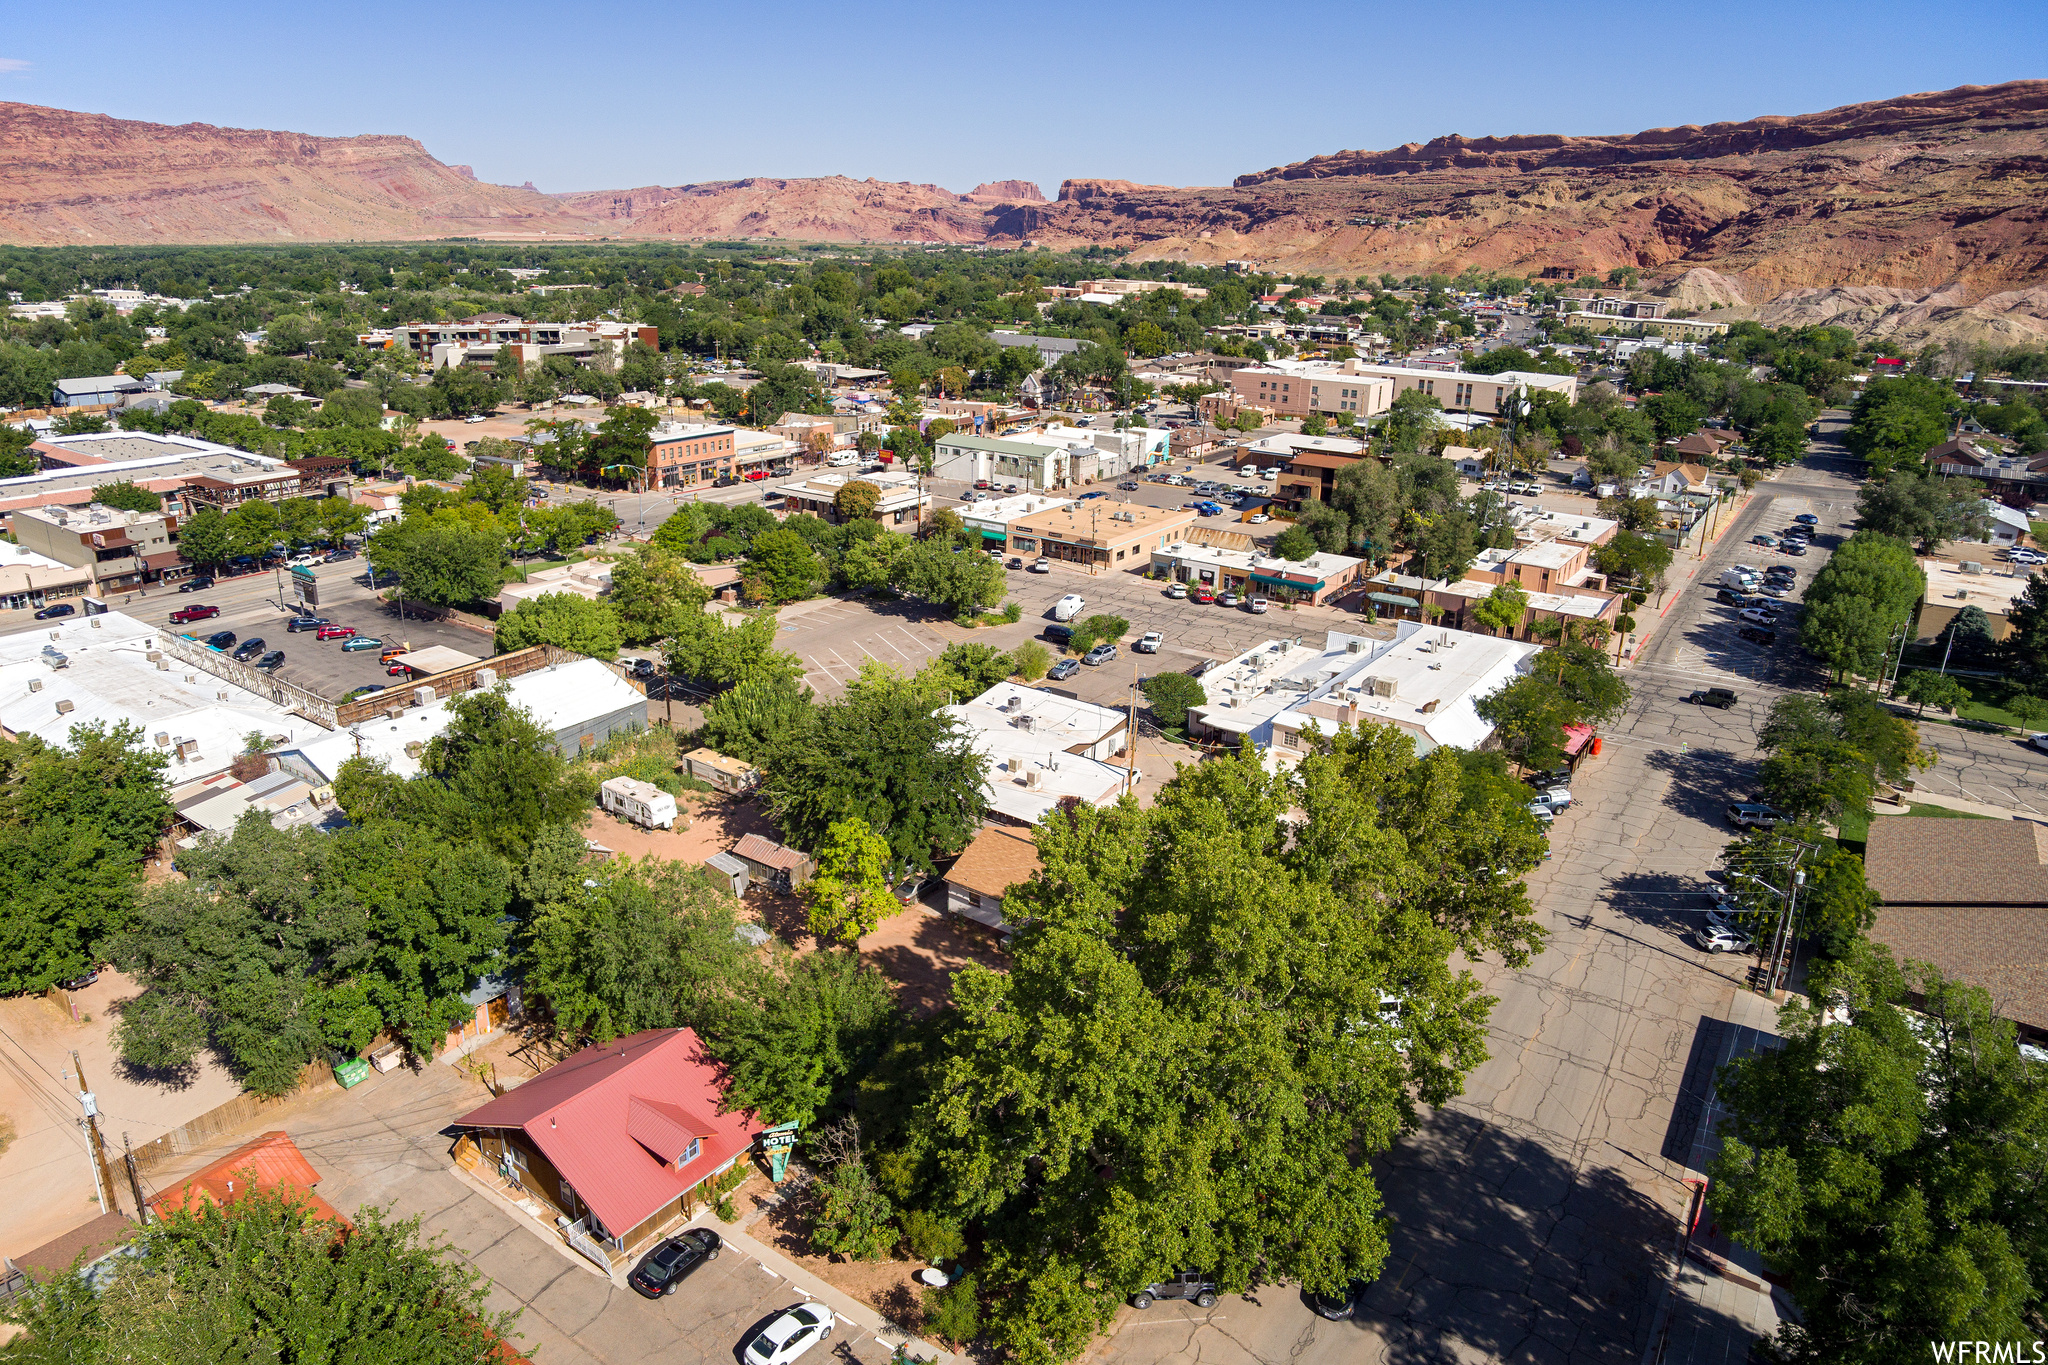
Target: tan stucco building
column 1100, row 534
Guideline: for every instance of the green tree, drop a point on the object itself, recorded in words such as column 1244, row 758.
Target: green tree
column 801, row 1030
column 717, row 652
column 1169, row 695
column 2024, row 651
column 856, row 500
column 1925, row 689
column 972, row 669
column 618, row 449
column 1101, row 628
column 1913, row 507
column 129, row 497
column 264, row 1277
column 444, row 558
column 75, row 825
column 493, row 775
column 751, row 718
column 1633, row 559
column 1570, row 683
column 883, row 752
column 784, row 567
column 1502, row 610
column 962, row 583
column 849, row 894
column 206, row 538
column 1883, row 1160
column 1861, row 596
column 649, row 588
column 1295, row 544
column 562, row 619
column 1033, row 659
column 1200, row 927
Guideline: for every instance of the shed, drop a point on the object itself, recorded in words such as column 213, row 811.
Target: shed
column 732, row 869
column 726, row 774
column 781, row 867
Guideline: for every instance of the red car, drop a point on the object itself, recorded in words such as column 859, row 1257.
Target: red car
column 983, row 483
column 1205, row 594
column 335, row 633
column 754, row 475
column 185, row 614
column 395, row 670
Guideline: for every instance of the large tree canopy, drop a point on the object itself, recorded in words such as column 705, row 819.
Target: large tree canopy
column 1217, row 1012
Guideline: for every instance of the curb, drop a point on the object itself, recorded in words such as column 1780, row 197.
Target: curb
column 846, row 1308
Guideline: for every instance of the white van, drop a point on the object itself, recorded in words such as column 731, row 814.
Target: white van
column 1068, row 607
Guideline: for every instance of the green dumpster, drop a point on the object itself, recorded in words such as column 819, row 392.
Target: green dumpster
column 351, row 1072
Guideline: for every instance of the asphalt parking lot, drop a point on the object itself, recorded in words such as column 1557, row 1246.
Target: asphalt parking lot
column 259, row 605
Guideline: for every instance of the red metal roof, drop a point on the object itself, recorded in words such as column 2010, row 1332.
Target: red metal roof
column 271, row 1162
column 593, row 1116
column 756, row 849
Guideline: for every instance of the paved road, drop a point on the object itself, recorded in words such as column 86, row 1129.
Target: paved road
column 1536, row 1215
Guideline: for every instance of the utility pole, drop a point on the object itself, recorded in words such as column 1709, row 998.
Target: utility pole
column 134, row 1181
column 1131, row 730
column 90, row 1102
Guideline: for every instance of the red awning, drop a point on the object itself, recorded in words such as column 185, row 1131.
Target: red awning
column 1577, row 737
column 162, row 561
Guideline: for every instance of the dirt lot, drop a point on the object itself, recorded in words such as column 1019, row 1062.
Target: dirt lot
column 45, row 1173
column 772, row 1215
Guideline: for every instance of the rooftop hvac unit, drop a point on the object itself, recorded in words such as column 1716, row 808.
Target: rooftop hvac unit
column 221, row 695
column 1381, row 687
column 423, row 696
column 163, row 739
column 188, row 748
column 35, row 684
column 1967, row 566
column 163, row 665
column 1354, row 646
column 487, row 678
column 1031, row 779
column 393, row 712
column 154, row 656
column 95, row 623
column 191, row 677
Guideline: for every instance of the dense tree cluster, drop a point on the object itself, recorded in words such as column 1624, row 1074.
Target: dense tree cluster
column 1859, row 601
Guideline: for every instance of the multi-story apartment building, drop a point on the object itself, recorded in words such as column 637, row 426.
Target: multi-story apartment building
column 1364, row 388
column 478, row 340
column 119, row 550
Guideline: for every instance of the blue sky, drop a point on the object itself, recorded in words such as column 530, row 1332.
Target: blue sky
column 615, row 95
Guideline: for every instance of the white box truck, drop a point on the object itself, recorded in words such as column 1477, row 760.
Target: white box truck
column 1739, row 578
column 643, row 803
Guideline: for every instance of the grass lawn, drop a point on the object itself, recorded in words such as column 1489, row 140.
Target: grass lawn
column 2040, row 530
column 1854, row 830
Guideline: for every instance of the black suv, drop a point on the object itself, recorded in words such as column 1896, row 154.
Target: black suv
column 250, row 648
column 299, row 623
column 221, row 639
column 1718, row 697
column 1191, row 1285
column 1758, row 635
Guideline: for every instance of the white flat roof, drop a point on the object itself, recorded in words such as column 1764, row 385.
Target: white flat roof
column 108, row 679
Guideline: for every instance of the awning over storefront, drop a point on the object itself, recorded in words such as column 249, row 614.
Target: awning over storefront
column 1576, row 737
column 1297, row 584
column 1392, row 599
column 999, row 537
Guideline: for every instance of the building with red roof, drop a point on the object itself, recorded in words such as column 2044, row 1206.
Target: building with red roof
column 615, row 1137
column 272, row 1162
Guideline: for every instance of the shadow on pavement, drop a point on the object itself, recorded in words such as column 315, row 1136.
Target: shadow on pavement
column 1705, row 780
column 1504, row 1245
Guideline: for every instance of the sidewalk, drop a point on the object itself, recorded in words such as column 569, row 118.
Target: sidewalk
column 848, row 1310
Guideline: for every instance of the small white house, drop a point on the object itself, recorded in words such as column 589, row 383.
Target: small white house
column 643, row 803
column 2005, row 525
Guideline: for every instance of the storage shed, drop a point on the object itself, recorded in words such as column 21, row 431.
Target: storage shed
column 781, row 867
column 733, row 870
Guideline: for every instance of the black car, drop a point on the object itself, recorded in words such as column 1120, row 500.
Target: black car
column 1064, row 669
column 1340, row 1305
column 1757, row 635
column 221, row 639
column 1190, row 1285
column 1718, row 697
column 669, row 1264
column 274, row 659
column 250, row 648
column 299, row 623
column 1730, row 596
column 199, row 584
column 725, row 481
column 61, row 609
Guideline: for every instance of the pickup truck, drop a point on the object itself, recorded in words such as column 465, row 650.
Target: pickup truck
column 1718, row 697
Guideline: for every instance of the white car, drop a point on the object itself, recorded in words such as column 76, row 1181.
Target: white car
column 1271, row 472
column 1757, row 616
column 2021, row 555
column 1178, row 590
column 1541, row 810
column 1258, row 606
column 473, row 419
column 1258, row 519
column 1068, row 607
column 1557, row 798
column 1721, row 940
column 790, row 1335
column 1149, row 642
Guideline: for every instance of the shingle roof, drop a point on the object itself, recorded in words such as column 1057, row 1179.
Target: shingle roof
column 2003, row 948
column 1913, row 860
column 998, row 859
column 592, row 1115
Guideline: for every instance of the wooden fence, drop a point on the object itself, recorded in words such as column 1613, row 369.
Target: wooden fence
column 243, row 1110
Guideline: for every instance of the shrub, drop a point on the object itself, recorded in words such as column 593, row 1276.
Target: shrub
column 1096, row 629
column 726, row 1212
column 929, row 1237
column 1013, row 612
column 852, row 1215
column 953, row 1313
column 1032, row 659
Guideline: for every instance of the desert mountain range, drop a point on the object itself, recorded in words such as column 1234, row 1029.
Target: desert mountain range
column 1915, row 215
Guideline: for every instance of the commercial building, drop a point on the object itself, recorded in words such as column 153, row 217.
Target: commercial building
column 615, row 1139
column 94, row 391
column 767, row 453
column 73, row 467
column 1051, row 350
column 1038, row 460
column 120, row 550
column 477, row 340
column 901, row 505
column 1425, row 682
column 1043, row 748
column 1243, row 568
column 1989, row 586
column 1311, row 470
column 111, row 669
column 992, row 520
column 589, row 579
column 1100, row 534
column 1292, row 388
column 578, row 702
column 680, row 454
column 29, row 580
